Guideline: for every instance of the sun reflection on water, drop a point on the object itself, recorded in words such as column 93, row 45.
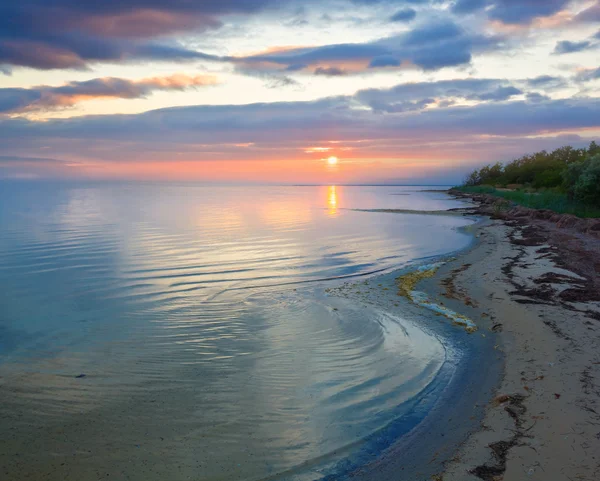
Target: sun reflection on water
column 332, row 200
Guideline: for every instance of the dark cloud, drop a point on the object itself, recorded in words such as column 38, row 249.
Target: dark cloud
column 311, row 56
column 330, row 71
column 588, row 75
column 498, row 94
column 77, row 51
column 511, row 11
column 537, row 97
column 404, row 15
column 545, row 81
column 384, row 61
column 413, row 96
column 591, row 14
column 468, row 6
column 430, row 46
column 280, row 81
column 61, row 34
column 15, row 99
column 74, row 34
column 524, row 11
column 71, row 33
column 45, row 97
column 566, row 46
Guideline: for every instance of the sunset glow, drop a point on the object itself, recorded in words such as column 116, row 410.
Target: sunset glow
column 227, row 93
column 332, row 200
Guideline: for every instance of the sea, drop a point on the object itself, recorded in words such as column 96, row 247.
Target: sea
column 176, row 331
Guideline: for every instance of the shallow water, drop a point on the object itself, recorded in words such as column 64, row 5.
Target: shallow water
column 198, row 324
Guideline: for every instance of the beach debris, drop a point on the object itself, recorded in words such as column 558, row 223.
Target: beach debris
column 421, row 299
column 406, row 288
column 556, row 396
column 500, row 449
column 500, row 399
column 407, row 282
column 453, row 292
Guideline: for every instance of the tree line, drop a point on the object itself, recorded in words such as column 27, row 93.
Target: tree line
column 575, row 172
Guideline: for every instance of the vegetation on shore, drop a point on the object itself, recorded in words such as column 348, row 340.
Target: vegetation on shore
column 566, row 180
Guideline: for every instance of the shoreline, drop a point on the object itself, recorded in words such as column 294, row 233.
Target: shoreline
column 536, row 277
column 530, row 283
column 534, row 283
column 417, row 444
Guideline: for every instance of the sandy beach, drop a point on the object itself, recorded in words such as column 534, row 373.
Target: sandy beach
column 532, row 285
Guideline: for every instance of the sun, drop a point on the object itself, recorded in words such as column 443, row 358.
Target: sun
column 332, row 160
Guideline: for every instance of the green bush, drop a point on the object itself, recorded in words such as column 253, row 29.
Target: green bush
column 587, row 186
column 570, row 177
column 566, row 180
column 570, row 171
column 540, row 170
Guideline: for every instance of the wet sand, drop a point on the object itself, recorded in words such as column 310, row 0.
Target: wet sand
column 532, row 287
column 535, row 286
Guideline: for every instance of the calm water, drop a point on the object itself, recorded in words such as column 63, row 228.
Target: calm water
column 184, row 332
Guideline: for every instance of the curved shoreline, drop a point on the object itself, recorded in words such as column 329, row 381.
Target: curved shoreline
column 429, row 427
column 535, row 287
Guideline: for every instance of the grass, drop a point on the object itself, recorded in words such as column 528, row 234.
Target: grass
column 550, row 200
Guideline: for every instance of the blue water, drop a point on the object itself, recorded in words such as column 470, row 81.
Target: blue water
column 163, row 331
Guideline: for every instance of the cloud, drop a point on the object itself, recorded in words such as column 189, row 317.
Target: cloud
column 46, row 98
column 511, row 11
column 499, row 94
column 566, row 46
column 385, row 61
column 415, row 96
column 396, row 113
column 468, row 6
column 537, row 97
column 546, row 81
column 15, row 159
column 588, row 75
column 591, row 14
column 404, row 15
column 280, row 81
column 429, row 46
column 77, row 51
column 330, row 72
column 72, row 33
column 524, row 11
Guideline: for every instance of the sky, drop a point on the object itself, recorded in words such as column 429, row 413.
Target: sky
column 289, row 91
